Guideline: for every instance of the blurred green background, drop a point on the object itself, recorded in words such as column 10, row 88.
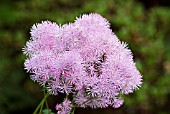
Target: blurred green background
column 143, row 24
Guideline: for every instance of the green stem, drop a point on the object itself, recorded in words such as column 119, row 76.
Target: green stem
column 41, row 104
column 46, row 103
column 72, row 110
column 41, row 107
column 66, row 95
column 72, row 102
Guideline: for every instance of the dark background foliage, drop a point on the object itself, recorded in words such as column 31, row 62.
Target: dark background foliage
column 143, row 24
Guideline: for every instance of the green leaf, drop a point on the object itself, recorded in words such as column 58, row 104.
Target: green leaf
column 47, row 111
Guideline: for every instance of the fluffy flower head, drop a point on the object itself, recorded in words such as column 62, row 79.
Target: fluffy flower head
column 84, row 58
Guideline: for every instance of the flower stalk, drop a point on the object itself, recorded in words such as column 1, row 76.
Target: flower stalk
column 41, row 104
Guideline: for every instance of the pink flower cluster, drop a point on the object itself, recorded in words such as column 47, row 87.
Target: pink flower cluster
column 64, row 107
column 84, row 58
